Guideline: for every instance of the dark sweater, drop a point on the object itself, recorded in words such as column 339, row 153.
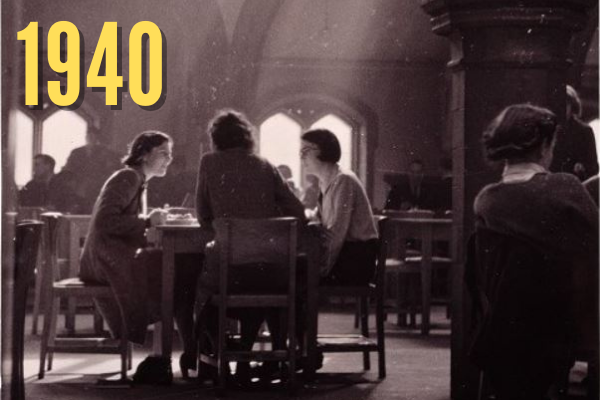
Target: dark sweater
column 555, row 213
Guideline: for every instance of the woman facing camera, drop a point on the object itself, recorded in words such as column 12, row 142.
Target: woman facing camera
column 112, row 254
column 557, row 219
column 344, row 211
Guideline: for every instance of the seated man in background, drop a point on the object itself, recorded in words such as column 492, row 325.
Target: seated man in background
column 411, row 191
column 63, row 195
column 575, row 149
column 91, row 166
column 36, row 192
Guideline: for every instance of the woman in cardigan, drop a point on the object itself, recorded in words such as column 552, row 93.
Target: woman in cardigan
column 555, row 214
column 111, row 254
column 344, row 211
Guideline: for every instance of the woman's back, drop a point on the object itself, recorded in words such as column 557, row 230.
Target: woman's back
column 238, row 184
column 551, row 210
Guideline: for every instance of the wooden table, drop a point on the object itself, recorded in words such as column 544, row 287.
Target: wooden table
column 427, row 230
column 175, row 239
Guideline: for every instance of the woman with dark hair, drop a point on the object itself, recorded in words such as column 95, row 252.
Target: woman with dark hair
column 236, row 183
column 344, row 211
column 556, row 217
column 112, row 253
column 233, row 182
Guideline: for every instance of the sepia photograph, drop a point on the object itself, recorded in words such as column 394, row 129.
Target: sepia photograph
column 310, row 199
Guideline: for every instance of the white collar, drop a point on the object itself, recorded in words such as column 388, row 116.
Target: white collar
column 521, row 172
column 326, row 182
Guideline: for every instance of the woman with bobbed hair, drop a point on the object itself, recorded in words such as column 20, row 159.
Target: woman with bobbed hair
column 112, row 254
column 556, row 217
column 344, row 211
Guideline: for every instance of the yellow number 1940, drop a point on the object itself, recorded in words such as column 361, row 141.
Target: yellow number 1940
column 106, row 49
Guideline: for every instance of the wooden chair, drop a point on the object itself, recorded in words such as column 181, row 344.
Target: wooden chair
column 72, row 288
column 27, row 245
column 362, row 343
column 426, row 231
column 254, row 243
column 34, row 214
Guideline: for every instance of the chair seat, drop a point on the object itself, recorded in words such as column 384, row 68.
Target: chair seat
column 332, row 343
column 253, row 301
column 87, row 345
column 76, row 287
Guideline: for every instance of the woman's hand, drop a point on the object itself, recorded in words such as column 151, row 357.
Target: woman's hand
column 158, row 216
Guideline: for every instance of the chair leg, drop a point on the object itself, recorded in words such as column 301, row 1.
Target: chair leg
column 70, row 316
column 37, row 299
column 292, row 348
column 221, row 343
column 52, row 338
column 413, row 295
column 49, row 310
column 364, row 316
column 402, row 287
column 357, row 313
column 124, row 357
column 379, row 318
column 98, row 322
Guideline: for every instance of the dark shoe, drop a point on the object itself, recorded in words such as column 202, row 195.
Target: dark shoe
column 154, row 370
column 187, row 361
column 207, row 372
column 269, row 370
column 301, row 362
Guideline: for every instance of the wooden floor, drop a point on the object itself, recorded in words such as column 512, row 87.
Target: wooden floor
column 418, row 368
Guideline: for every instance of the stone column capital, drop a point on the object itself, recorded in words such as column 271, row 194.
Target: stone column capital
column 450, row 15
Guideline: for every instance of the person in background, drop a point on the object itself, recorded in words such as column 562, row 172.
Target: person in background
column 234, row 182
column 411, row 191
column 344, row 211
column 116, row 253
column 63, row 195
column 575, row 150
column 556, row 217
column 91, row 165
column 286, row 173
column 36, row 192
column 310, row 197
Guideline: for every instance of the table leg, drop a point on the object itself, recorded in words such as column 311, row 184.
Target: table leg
column 168, row 270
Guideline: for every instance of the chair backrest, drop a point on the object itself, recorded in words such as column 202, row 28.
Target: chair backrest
column 27, row 245
column 256, row 241
column 75, row 229
column 519, row 294
column 381, row 222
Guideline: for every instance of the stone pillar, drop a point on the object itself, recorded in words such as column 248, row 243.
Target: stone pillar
column 502, row 52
